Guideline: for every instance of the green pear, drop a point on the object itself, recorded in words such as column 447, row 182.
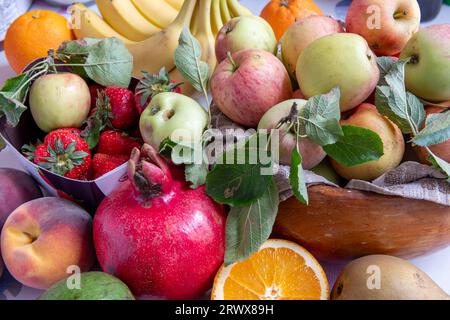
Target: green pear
column 341, row 60
column 427, row 74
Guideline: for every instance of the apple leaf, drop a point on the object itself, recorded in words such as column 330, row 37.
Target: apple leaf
column 248, row 227
column 321, row 116
column 437, row 130
column 12, row 98
column 439, row 163
column 105, row 61
column 358, row 145
column 297, row 177
column 385, row 64
column 239, row 176
column 400, row 106
column 196, row 174
column 187, row 60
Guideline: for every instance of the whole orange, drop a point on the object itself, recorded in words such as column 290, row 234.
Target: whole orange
column 32, row 34
column 281, row 14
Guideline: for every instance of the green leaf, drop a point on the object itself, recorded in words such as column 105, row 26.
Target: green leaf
column 297, row 177
column 400, row 106
column 358, row 145
column 439, row 163
column 248, row 227
column 2, row 143
column 437, row 130
column 105, row 61
column 385, row 64
column 237, row 179
column 321, row 116
column 187, row 60
column 196, row 174
column 12, row 98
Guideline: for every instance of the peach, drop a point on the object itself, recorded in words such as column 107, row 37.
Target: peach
column 43, row 237
column 16, row 187
column 442, row 150
column 367, row 116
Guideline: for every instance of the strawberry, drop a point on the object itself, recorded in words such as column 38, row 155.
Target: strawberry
column 65, row 153
column 94, row 89
column 114, row 142
column 104, row 163
column 152, row 84
column 121, row 104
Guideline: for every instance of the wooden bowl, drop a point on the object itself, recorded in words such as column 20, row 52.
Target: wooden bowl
column 341, row 224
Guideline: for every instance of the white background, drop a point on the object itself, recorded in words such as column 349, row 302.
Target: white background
column 436, row 265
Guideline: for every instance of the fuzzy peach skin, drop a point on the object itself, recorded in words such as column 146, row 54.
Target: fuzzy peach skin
column 367, row 116
column 245, row 88
column 442, row 150
column 386, row 25
column 43, row 237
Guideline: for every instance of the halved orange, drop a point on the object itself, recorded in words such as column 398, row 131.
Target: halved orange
column 280, row 270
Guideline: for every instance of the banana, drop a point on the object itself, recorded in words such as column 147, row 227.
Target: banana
column 194, row 21
column 157, row 51
column 158, row 12
column 123, row 16
column 205, row 35
column 216, row 18
column 176, row 4
column 238, row 9
column 86, row 23
column 186, row 88
column 226, row 15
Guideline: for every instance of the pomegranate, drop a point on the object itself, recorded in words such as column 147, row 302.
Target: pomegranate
column 162, row 238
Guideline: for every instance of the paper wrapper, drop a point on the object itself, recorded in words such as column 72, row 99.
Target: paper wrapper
column 409, row 180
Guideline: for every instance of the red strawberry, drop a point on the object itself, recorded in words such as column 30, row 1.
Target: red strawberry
column 65, row 153
column 94, row 89
column 104, row 163
column 114, row 142
column 152, row 84
column 121, row 104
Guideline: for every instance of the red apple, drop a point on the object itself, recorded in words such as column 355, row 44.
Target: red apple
column 386, row 25
column 245, row 85
column 312, row 153
column 442, row 150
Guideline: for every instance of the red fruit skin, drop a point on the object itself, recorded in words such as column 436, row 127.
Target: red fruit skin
column 169, row 248
column 104, row 163
column 67, row 136
column 113, row 143
column 141, row 107
column 93, row 90
column 124, row 114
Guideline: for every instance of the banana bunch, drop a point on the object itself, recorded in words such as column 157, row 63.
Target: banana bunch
column 150, row 28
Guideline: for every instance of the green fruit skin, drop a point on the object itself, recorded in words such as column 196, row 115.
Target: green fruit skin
column 172, row 115
column 93, row 286
column 325, row 170
column 428, row 73
column 59, row 100
column 338, row 60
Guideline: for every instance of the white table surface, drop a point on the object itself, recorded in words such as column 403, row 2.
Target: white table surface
column 436, row 265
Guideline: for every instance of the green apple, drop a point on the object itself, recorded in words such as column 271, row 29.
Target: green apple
column 341, row 60
column 92, row 286
column 246, row 32
column 298, row 36
column 60, row 100
column 427, row 74
column 175, row 116
column 312, row 153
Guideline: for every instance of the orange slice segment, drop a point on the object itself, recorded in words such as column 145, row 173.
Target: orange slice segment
column 280, row 270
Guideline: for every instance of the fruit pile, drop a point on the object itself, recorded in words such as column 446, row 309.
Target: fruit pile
column 342, row 99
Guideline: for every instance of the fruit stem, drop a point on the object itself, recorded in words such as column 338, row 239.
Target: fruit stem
column 400, row 14
column 233, row 63
column 148, row 173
